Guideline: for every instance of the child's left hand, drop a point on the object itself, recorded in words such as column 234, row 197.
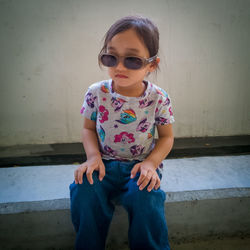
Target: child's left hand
column 148, row 174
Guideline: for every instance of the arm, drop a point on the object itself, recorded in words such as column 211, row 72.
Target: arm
column 89, row 138
column 148, row 167
column 163, row 145
column 94, row 160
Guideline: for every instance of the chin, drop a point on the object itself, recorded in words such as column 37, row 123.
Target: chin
column 121, row 81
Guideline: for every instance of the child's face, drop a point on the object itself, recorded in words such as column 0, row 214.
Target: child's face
column 127, row 43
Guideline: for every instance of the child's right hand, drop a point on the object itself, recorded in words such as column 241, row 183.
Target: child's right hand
column 93, row 164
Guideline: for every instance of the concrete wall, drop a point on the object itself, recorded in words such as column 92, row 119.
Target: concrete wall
column 49, row 57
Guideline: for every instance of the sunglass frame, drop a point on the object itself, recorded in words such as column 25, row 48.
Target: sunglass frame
column 145, row 61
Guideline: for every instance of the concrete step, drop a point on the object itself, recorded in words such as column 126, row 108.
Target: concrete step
column 206, row 197
column 69, row 153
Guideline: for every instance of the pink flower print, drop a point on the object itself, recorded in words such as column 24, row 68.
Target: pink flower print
column 103, row 114
column 170, row 111
column 82, row 110
column 156, row 110
column 124, row 138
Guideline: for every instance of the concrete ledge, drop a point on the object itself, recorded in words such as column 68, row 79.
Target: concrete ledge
column 206, row 196
column 64, row 204
column 69, row 153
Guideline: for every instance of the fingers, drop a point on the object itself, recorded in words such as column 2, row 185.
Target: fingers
column 76, row 176
column 152, row 184
column 147, row 177
column 134, row 170
column 89, row 169
column 144, row 178
column 158, row 183
column 89, row 175
column 101, row 171
column 78, row 173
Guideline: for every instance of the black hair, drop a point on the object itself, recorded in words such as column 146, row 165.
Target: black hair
column 146, row 30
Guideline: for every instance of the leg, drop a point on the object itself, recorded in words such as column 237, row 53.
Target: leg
column 91, row 212
column 147, row 222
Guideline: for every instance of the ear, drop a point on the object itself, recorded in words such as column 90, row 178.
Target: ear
column 154, row 64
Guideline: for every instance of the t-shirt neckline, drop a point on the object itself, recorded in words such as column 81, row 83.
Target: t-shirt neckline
column 145, row 94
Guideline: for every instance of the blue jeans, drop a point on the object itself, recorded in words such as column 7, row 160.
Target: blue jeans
column 92, row 209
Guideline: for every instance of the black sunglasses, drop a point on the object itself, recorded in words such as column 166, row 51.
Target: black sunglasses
column 130, row 62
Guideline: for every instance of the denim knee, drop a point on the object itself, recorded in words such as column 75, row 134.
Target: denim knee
column 144, row 200
column 86, row 192
column 148, row 228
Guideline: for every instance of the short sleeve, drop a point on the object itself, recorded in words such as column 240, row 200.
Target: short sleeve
column 164, row 113
column 89, row 109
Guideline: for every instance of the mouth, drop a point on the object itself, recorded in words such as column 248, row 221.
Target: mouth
column 120, row 76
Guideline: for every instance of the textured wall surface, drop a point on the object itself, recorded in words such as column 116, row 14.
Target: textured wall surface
column 49, row 57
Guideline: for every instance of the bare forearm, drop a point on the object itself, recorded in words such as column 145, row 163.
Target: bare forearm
column 161, row 150
column 90, row 143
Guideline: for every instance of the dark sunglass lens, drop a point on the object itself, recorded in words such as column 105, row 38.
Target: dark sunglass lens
column 108, row 60
column 133, row 62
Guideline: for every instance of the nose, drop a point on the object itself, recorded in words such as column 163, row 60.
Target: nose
column 120, row 65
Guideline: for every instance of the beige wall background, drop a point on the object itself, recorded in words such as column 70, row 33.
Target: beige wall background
column 49, row 53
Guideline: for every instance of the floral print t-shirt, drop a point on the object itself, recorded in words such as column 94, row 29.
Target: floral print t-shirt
column 126, row 125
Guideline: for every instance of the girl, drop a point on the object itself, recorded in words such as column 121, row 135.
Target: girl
column 120, row 117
